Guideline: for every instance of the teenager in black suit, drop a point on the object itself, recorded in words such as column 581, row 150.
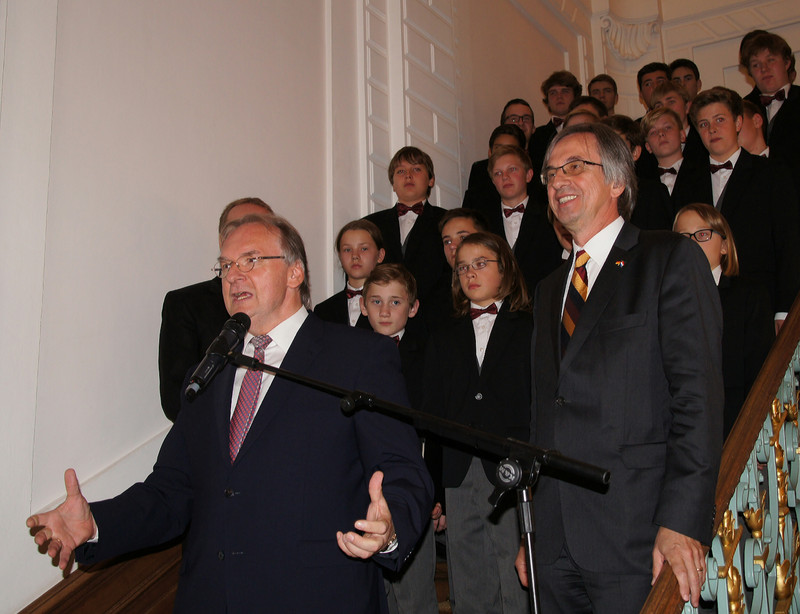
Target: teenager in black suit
column 673, row 96
column 269, row 477
column 477, row 372
column 768, row 59
column 389, row 300
column 663, row 138
column 359, row 246
column 653, row 209
column 480, row 188
column 630, row 382
column 759, row 203
column 747, row 329
column 191, row 319
column 518, row 217
column 410, row 231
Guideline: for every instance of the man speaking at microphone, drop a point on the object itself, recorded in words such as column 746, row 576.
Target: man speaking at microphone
column 290, row 505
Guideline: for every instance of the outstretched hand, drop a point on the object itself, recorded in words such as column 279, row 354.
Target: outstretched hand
column 376, row 530
column 67, row 526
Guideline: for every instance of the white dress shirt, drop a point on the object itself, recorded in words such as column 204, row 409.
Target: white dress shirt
column 482, row 325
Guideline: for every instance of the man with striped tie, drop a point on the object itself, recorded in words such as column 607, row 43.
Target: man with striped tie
column 282, row 496
column 626, row 367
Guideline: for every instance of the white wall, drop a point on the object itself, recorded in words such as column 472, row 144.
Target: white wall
column 125, row 127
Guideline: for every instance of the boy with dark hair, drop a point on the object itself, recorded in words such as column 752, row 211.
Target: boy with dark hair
column 684, row 72
column 410, row 229
column 751, row 136
column 649, row 77
column 559, row 90
column 604, row 88
column 388, row 301
column 768, row 59
column 759, row 203
column 589, row 103
column 457, row 224
column 518, row 112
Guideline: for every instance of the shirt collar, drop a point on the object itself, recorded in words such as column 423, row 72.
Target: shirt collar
column 717, row 273
column 599, row 246
column 284, row 333
column 524, row 201
column 733, row 159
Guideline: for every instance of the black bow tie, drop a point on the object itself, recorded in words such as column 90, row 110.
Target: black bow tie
column 718, row 167
column 557, row 121
column 780, row 95
column 474, row 312
column 666, row 171
column 403, row 209
column 352, row 293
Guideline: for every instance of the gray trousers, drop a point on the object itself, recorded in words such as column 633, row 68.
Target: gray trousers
column 481, row 549
column 412, row 590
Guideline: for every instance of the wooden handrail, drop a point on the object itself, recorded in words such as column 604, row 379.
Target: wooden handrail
column 664, row 598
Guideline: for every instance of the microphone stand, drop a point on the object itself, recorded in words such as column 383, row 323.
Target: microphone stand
column 519, row 469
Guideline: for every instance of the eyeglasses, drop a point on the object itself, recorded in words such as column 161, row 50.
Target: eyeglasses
column 518, row 119
column 702, row 235
column 477, row 264
column 245, row 264
column 573, row 167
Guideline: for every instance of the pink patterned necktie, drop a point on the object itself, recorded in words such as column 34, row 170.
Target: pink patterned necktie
column 248, row 399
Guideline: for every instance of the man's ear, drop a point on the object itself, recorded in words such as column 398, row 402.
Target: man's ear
column 414, row 308
column 362, row 305
column 295, row 275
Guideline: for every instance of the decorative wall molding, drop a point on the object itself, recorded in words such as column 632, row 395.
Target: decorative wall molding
column 629, row 41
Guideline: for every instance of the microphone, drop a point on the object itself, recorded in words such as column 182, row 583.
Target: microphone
column 233, row 331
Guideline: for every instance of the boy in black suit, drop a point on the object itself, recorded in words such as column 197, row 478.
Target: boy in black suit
column 676, row 97
column 410, row 231
column 768, row 59
column 653, row 209
column 389, row 300
column 519, row 218
column 480, row 187
column 759, row 203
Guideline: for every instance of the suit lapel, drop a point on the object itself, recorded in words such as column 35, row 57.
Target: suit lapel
column 603, row 289
column 299, row 359
column 502, row 330
column 737, row 184
column 221, row 402
column 416, row 235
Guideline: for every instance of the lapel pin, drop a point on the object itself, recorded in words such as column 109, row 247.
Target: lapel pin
column 620, row 263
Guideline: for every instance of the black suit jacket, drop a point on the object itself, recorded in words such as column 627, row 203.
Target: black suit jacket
column 653, row 210
column 761, row 207
column 537, row 249
column 262, row 531
column 747, row 335
column 424, row 257
column 782, row 134
column 638, row 392
column 191, row 319
column 334, row 309
column 495, row 399
column 537, row 148
column 690, row 185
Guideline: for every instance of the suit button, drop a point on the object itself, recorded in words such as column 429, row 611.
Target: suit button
column 478, row 397
column 560, row 401
column 220, row 555
column 228, row 492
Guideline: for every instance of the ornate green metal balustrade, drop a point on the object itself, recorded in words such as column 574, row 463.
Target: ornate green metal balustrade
column 754, row 559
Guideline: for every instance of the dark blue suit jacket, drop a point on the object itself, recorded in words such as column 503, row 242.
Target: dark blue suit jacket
column 262, row 532
column 639, row 392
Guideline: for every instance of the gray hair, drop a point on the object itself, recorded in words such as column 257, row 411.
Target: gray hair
column 292, row 248
column 618, row 168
